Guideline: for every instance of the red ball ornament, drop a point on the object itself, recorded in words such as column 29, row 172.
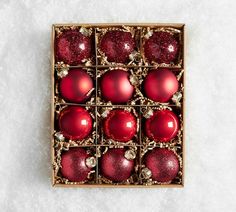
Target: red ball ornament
column 114, row 166
column 75, row 86
column 163, row 163
column 120, row 125
column 116, row 87
column 160, row 85
column 161, row 47
column 74, row 166
column 72, row 47
column 75, row 122
column 162, row 126
column 117, row 45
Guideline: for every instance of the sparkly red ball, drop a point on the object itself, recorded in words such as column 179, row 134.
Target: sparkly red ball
column 116, row 87
column 117, row 45
column 160, row 85
column 75, row 86
column 163, row 163
column 120, row 125
column 75, row 122
column 161, row 47
column 72, row 47
column 73, row 164
column 162, row 126
column 114, row 166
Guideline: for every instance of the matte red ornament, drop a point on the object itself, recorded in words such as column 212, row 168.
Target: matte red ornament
column 162, row 126
column 163, row 163
column 160, row 85
column 74, row 166
column 116, row 87
column 117, row 45
column 75, row 122
column 114, row 166
column 72, row 47
column 75, row 86
column 120, row 125
column 161, row 47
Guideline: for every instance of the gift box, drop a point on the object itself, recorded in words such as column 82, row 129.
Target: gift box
column 117, row 109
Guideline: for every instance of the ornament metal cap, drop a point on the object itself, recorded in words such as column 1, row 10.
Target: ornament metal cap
column 91, row 162
column 59, row 136
column 62, row 72
column 177, row 98
column 149, row 34
column 62, row 69
column 148, row 113
column 134, row 80
column 105, row 113
column 84, row 31
column 134, row 56
column 146, row 173
column 130, row 154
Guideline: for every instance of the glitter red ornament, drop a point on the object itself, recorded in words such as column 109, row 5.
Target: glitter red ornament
column 75, row 122
column 120, row 125
column 73, row 164
column 163, row 163
column 116, row 87
column 115, row 166
column 117, row 45
column 76, row 85
column 72, row 47
column 160, row 85
column 161, row 47
column 162, row 126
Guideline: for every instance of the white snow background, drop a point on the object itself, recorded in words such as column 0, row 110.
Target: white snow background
column 25, row 35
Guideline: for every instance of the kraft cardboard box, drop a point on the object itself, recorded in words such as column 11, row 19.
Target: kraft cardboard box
column 89, row 146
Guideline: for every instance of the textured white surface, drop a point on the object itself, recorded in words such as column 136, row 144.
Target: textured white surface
column 210, row 182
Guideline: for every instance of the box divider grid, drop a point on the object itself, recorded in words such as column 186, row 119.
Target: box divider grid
column 96, row 108
column 173, row 68
column 140, row 142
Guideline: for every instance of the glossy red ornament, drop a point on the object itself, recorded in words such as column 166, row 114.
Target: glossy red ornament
column 161, row 47
column 160, row 85
column 163, row 163
column 75, row 122
column 120, row 125
column 116, row 87
column 72, row 47
column 75, row 86
column 162, row 126
column 117, row 45
column 73, row 164
column 114, row 166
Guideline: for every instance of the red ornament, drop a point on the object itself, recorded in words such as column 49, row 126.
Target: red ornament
column 162, row 126
column 117, row 45
column 161, row 47
column 75, row 122
column 120, row 125
column 160, row 85
column 75, row 86
column 73, row 164
column 114, row 166
column 163, row 163
column 72, row 47
column 116, row 87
